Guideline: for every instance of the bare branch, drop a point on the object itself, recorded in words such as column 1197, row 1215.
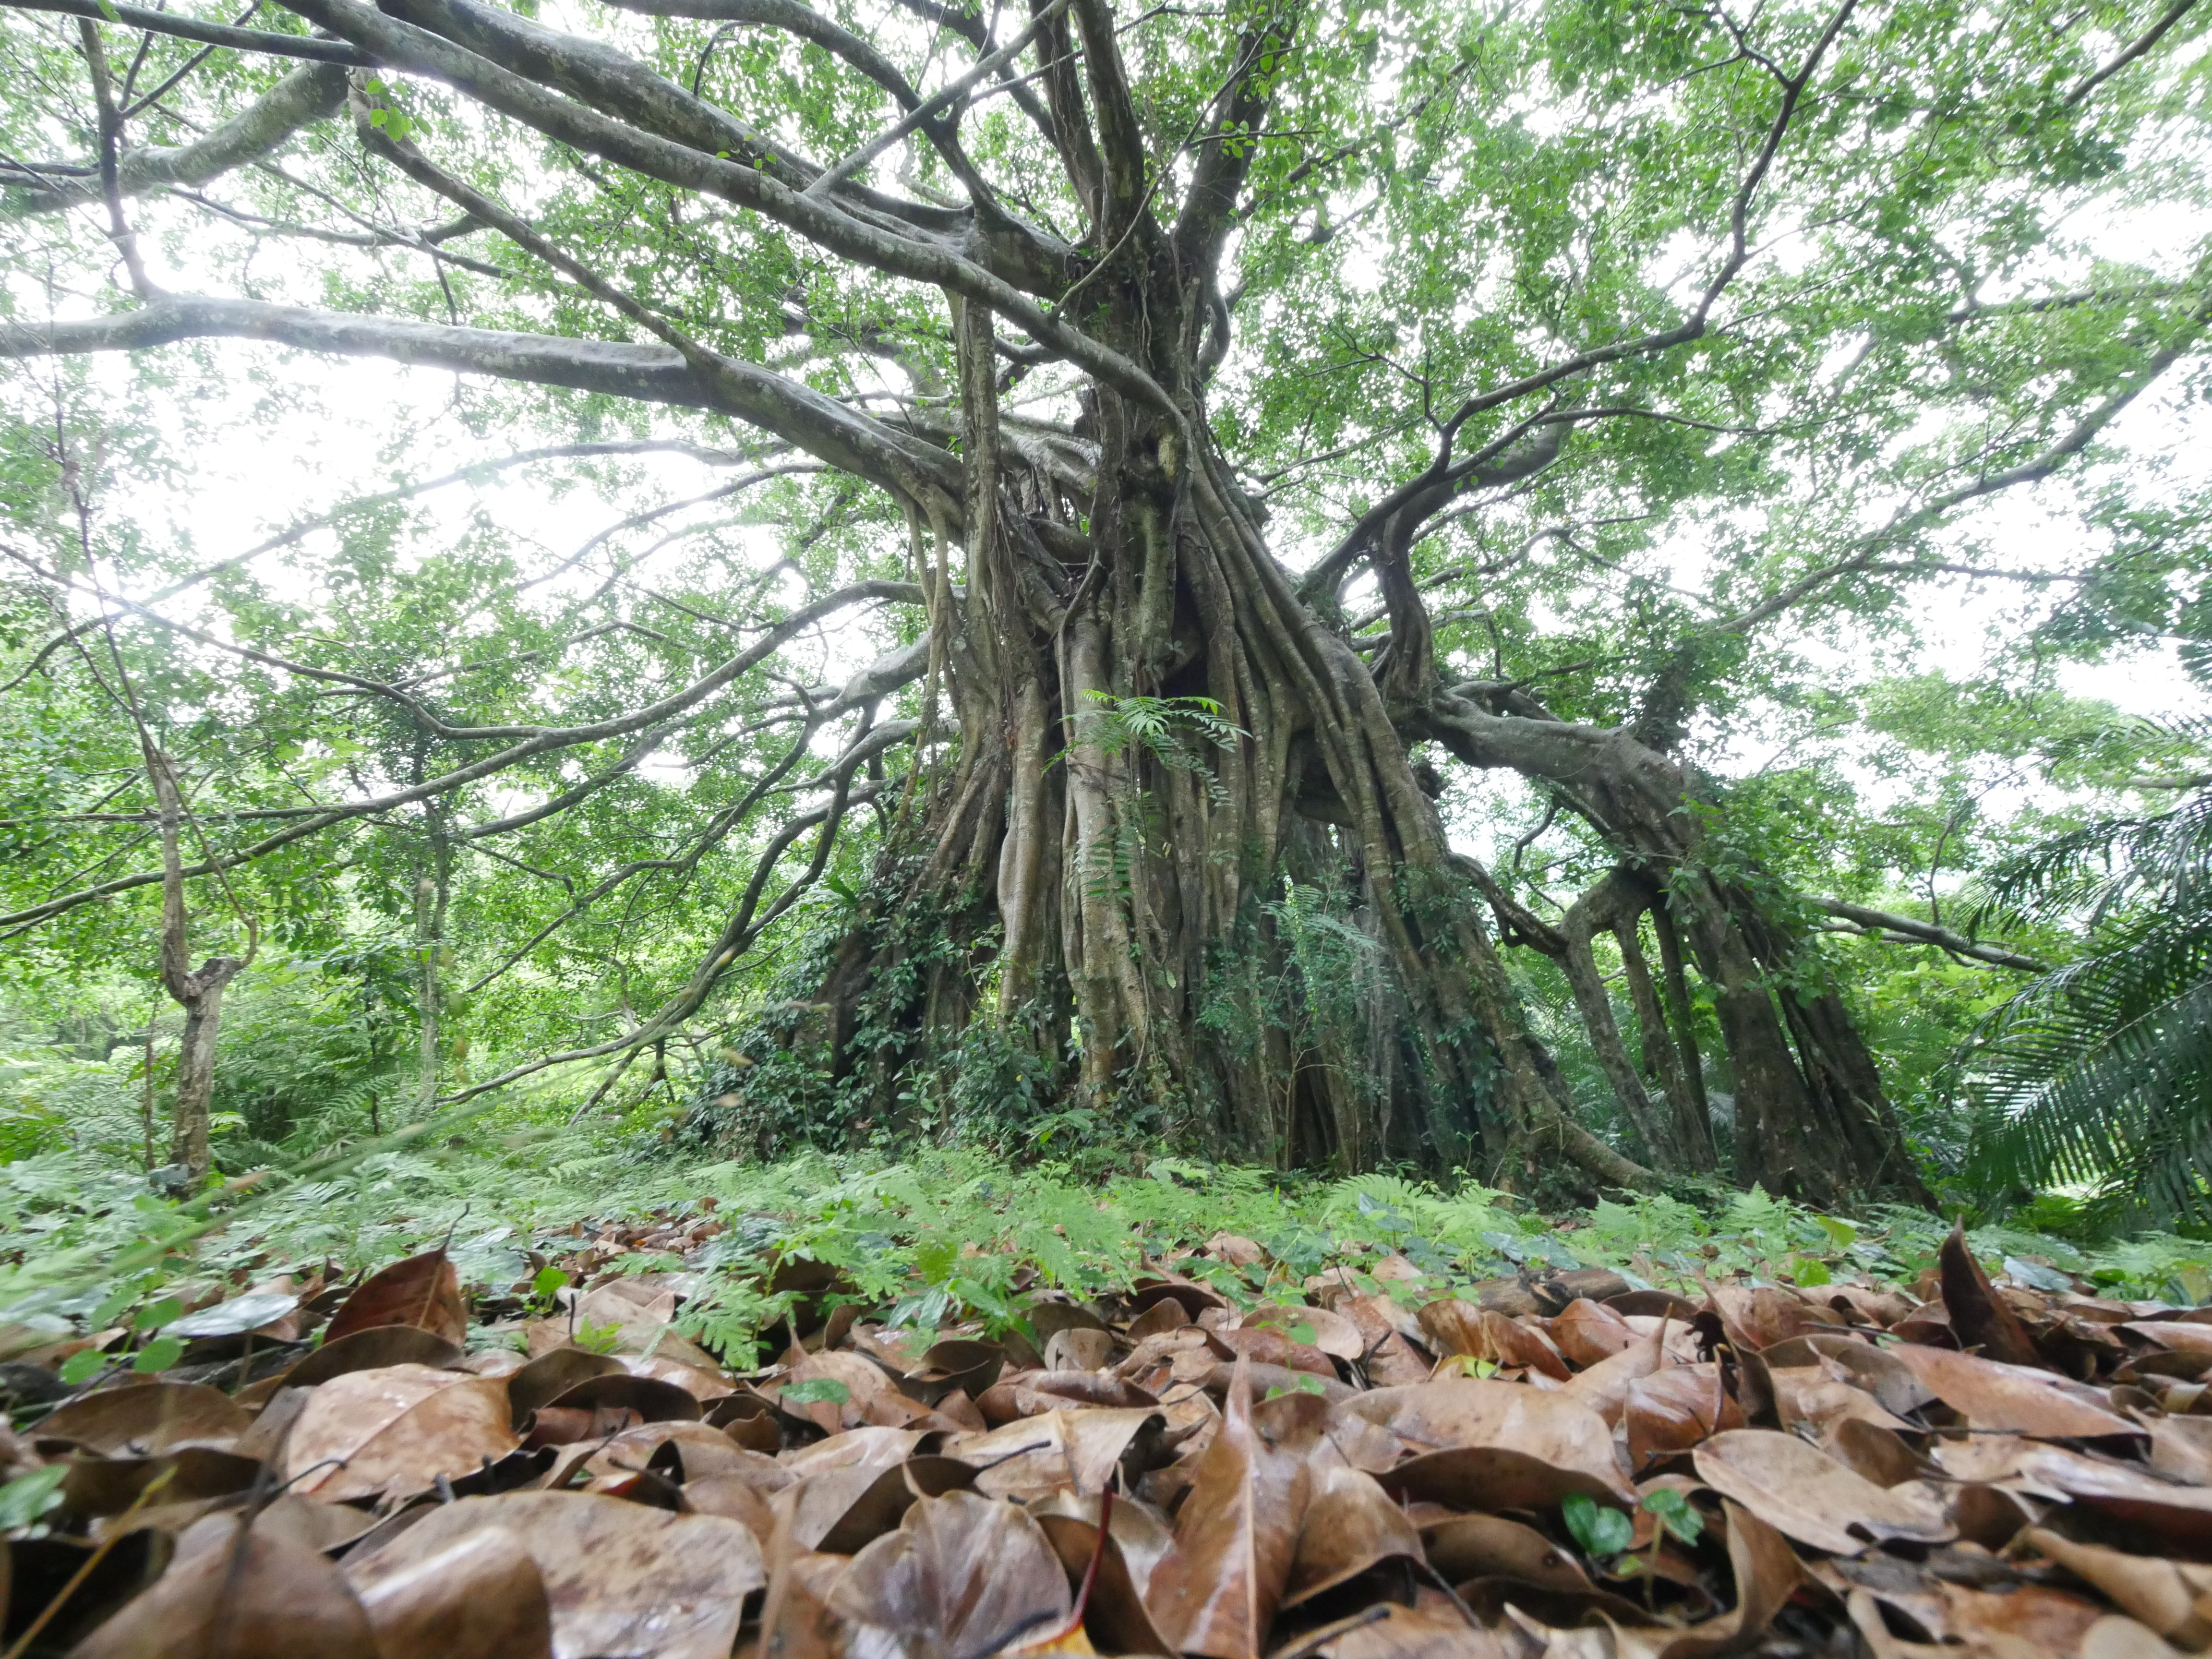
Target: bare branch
column 194, row 29
column 2150, row 37
column 1865, row 922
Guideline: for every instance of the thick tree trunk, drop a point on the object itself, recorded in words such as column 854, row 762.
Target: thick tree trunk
column 1154, row 735
column 1812, row 1121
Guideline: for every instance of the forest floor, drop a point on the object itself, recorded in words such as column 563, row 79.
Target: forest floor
column 949, row 1409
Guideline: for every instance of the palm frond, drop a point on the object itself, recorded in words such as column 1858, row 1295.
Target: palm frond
column 2100, row 1072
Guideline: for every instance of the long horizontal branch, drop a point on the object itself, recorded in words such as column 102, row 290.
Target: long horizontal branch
column 823, row 222
column 299, row 101
column 1867, row 923
column 649, row 374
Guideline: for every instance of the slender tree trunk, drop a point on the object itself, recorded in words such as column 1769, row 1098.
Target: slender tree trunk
column 432, row 889
column 146, row 1097
column 199, row 993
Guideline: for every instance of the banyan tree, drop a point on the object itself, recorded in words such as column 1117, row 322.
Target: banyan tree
column 1276, row 423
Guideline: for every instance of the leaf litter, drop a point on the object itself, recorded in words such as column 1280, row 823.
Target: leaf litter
column 1220, row 1458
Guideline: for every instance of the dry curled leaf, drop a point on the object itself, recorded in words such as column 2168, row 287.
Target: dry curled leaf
column 237, row 1592
column 396, row 1431
column 1469, row 1412
column 1351, row 1525
column 423, row 1292
column 1799, row 1490
column 963, row 1578
column 1236, row 1533
column 146, row 1418
column 483, row 1597
column 2014, row 1397
column 622, row 1581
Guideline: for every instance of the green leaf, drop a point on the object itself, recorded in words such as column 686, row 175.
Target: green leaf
column 1808, row 1271
column 1601, row 1531
column 549, row 1280
column 156, row 1314
column 814, row 1390
column 82, row 1366
column 159, row 1355
column 1675, row 1513
column 1302, row 1331
column 28, row 1497
column 600, row 1339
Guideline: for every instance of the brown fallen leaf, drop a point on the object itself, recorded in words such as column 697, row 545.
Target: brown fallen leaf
column 1236, row 1249
column 1461, row 1327
column 423, row 1292
column 1237, row 1533
column 2181, row 1448
column 2176, row 1336
column 1077, row 1449
column 543, row 1380
column 866, row 1447
column 1078, row 1348
column 1470, row 1412
column 843, row 1510
column 146, row 1418
column 1673, row 1410
column 1588, row 1333
column 1992, row 1395
column 1351, row 1525
column 1895, row 1386
column 692, row 1451
column 860, row 1378
column 1766, row 1573
column 368, row 1351
column 1333, row 1333
column 1195, row 1299
column 1603, row 1385
column 1485, row 1478
column 1389, row 1631
column 961, row 1363
column 1164, row 1315
column 1757, row 1318
column 234, row 1592
column 1799, row 1490
column 1984, row 1320
column 395, row 1430
column 651, row 1398
column 623, row 1581
column 99, row 1486
column 483, row 1598
column 1268, row 1344
column 964, row 1576
column 1114, row 1613
column 1814, row 1394
column 2173, row 1598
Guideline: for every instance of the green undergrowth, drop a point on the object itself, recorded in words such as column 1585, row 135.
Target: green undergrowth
column 83, row 1244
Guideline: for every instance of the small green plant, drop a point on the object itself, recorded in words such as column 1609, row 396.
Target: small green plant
column 1675, row 1513
column 600, row 1339
column 1601, row 1531
column 815, row 1391
column 28, row 1497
